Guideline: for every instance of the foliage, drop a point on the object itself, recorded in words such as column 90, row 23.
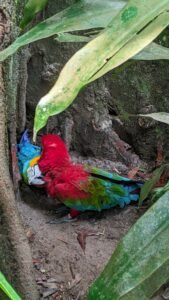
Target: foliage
column 132, row 29
column 140, row 263
column 82, row 15
column 159, row 116
column 7, row 288
column 158, row 192
column 149, row 184
column 31, row 9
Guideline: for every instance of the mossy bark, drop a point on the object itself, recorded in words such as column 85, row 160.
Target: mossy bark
column 16, row 261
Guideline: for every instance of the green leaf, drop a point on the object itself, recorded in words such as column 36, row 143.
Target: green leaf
column 84, row 14
column 152, row 52
column 158, row 192
column 31, row 9
column 149, row 184
column 138, row 42
column 159, row 116
column 7, row 288
column 80, row 16
column 71, row 38
column 140, row 263
column 136, row 25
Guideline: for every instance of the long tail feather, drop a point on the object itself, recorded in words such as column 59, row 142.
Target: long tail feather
column 99, row 173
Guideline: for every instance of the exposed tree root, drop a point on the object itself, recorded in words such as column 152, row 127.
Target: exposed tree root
column 15, row 255
column 14, row 249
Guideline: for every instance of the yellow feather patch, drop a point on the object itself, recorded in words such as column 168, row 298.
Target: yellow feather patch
column 34, row 161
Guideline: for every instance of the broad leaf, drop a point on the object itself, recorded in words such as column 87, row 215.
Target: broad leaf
column 128, row 32
column 84, row 14
column 140, row 263
column 71, row 38
column 80, row 16
column 31, row 9
column 7, row 288
column 149, row 184
column 138, row 42
column 159, row 116
column 152, row 52
column 158, row 192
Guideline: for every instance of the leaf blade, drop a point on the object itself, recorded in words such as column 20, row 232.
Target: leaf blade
column 149, row 184
column 83, row 67
column 136, row 44
column 7, row 288
column 32, row 7
column 79, row 16
column 152, row 52
column 159, row 116
column 140, row 263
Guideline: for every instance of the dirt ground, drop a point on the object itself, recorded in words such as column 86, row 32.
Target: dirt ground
column 63, row 270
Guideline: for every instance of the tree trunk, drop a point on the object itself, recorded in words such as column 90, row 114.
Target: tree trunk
column 16, row 261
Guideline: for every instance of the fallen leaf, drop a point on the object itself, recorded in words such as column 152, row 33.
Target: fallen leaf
column 56, row 296
column 160, row 155
column 81, row 237
column 51, row 285
column 30, row 235
column 36, row 261
column 71, row 270
column 143, row 175
column 51, row 280
column 75, row 281
column 41, row 283
column 165, row 295
column 121, row 146
column 133, row 172
column 49, row 292
column 163, row 179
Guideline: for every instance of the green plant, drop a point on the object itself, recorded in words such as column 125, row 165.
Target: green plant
column 140, row 263
column 129, row 26
column 7, row 288
column 132, row 29
column 124, row 30
column 32, row 7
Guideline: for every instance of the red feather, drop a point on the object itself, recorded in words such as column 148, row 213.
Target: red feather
column 63, row 178
column 54, row 153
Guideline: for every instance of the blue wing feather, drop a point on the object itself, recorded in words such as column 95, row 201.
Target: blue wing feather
column 26, row 151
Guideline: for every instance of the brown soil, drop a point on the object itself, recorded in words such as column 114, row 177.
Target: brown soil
column 57, row 253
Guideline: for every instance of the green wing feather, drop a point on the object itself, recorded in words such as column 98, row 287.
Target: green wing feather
column 102, row 195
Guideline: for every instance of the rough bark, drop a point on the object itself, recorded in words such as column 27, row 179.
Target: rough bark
column 16, row 261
